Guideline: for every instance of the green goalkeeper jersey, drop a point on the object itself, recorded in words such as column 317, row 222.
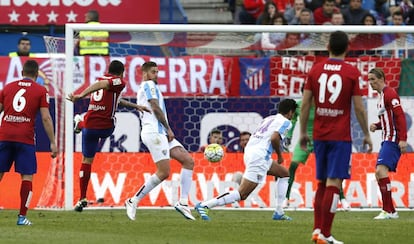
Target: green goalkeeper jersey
column 295, row 117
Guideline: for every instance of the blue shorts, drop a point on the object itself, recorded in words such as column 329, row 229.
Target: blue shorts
column 333, row 159
column 389, row 155
column 91, row 139
column 23, row 155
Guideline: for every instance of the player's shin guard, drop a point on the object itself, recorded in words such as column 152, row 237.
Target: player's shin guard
column 25, row 196
column 84, row 176
column 317, row 205
column 149, row 184
column 385, row 188
column 329, row 205
column 226, row 198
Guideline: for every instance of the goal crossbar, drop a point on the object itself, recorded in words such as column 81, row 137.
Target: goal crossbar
column 242, row 28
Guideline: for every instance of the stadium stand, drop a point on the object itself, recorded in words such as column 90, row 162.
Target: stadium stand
column 207, row 11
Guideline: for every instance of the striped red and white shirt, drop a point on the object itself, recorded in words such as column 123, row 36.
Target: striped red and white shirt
column 391, row 115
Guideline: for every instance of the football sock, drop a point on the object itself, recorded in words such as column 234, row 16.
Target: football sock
column 317, row 205
column 149, row 184
column 85, row 175
column 292, row 170
column 185, row 184
column 385, row 188
column 329, row 205
column 281, row 185
column 226, row 198
column 25, row 196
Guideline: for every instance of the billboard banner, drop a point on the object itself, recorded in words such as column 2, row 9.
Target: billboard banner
column 57, row 12
column 289, row 72
column 207, row 75
column 117, row 176
column 178, row 76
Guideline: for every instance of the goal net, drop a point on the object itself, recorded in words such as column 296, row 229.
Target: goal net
column 225, row 77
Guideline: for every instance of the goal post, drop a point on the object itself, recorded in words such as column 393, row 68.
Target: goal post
column 234, row 41
column 69, row 133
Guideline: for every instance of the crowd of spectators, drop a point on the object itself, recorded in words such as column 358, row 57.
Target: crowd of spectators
column 253, row 11
column 323, row 12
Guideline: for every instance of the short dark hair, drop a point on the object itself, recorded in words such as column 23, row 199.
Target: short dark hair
column 397, row 13
column 287, row 105
column 30, row 68
column 243, row 133
column 369, row 15
column 338, row 42
column 23, row 39
column 280, row 16
column 215, row 131
column 116, row 68
column 304, row 10
column 147, row 66
column 93, row 15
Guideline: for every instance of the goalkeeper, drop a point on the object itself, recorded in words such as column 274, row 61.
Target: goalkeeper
column 300, row 156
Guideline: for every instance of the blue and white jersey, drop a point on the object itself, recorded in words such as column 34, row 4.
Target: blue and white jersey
column 259, row 143
column 149, row 90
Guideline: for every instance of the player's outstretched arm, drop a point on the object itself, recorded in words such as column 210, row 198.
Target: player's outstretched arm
column 103, row 84
column 362, row 120
column 140, row 108
column 48, row 125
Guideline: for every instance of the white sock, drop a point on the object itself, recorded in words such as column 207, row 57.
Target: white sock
column 185, row 184
column 149, row 184
column 226, row 198
column 281, row 185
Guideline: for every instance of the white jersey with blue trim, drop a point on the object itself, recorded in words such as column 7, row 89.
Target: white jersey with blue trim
column 149, row 90
column 259, row 143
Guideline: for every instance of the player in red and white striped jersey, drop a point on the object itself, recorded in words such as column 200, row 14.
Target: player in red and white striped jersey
column 394, row 138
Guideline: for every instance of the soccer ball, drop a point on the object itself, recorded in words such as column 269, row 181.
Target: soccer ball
column 214, row 153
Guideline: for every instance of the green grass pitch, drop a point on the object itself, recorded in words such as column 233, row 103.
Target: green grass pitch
column 166, row 226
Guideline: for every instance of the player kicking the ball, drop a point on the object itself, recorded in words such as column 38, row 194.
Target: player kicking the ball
column 258, row 161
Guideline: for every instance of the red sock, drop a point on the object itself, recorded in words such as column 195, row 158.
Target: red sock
column 329, row 204
column 25, row 196
column 85, row 175
column 317, row 206
column 385, row 188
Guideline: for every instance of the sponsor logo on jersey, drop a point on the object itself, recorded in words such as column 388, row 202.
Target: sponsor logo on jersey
column 117, row 81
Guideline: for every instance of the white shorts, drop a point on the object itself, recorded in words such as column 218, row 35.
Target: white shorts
column 158, row 145
column 256, row 168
